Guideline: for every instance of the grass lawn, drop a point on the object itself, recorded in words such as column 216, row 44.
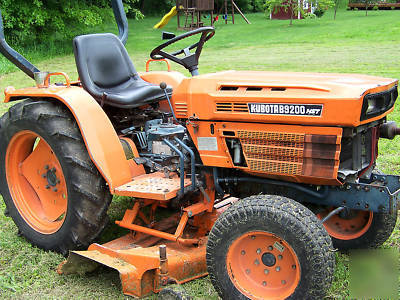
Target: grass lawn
column 351, row 44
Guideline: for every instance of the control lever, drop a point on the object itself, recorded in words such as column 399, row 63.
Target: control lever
column 163, row 86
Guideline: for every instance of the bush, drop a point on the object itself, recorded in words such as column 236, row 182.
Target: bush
column 319, row 12
column 48, row 20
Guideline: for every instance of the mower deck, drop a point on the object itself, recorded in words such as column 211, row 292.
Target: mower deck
column 153, row 186
column 138, row 263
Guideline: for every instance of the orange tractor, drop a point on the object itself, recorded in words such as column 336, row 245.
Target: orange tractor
column 251, row 177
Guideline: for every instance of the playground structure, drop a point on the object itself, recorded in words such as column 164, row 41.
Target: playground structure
column 190, row 13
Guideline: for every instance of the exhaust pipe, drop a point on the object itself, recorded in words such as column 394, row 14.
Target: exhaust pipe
column 29, row 69
column 13, row 56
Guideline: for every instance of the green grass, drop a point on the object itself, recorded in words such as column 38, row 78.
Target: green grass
column 351, row 44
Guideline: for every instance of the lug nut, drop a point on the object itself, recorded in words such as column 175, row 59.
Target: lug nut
column 46, row 167
column 53, row 170
column 253, row 237
column 247, row 271
column 58, row 181
column 44, row 175
column 270, row 248
column 47, row 187
column 278, row 269
column 258, row 251
column 256, row 262
column 294, row 267
column 283, row 281
column 264, row 283
column 243, row 252
column 266, row 271
column 280, row 257
column 55, row 190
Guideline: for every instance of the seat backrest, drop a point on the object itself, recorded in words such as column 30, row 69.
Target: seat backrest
column 102, row 62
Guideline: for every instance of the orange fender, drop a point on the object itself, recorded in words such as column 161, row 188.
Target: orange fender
column 102, row 142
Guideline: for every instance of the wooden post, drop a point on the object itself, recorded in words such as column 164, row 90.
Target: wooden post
column 240, row 12
column 226, row 11
column 233, row 12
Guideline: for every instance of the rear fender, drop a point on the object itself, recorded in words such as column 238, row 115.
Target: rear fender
column 98, row 133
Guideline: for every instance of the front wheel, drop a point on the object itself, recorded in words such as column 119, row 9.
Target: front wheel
column 269, row 247
column 51, row 189
column 358, row 229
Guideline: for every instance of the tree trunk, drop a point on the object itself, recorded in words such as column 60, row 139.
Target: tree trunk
column 336, row 7
column 366, row 8
column 291, row 15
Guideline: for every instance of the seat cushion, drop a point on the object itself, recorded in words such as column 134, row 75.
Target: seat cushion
column 138, row 93
column 108, row 74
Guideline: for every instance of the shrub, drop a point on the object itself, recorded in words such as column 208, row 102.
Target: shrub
column 319, row 12
column 47, row 20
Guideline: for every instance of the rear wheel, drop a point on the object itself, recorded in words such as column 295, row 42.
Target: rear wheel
column 51, row 189
column 269, row 247
column 356, row 229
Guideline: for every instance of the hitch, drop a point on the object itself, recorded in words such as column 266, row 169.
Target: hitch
column 389, row 130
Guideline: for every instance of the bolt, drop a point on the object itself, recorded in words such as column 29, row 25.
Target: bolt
column 47, row 187
column 58, row 181
column 280, row 257
column 294, row 267
column 44, row 176
column 243, row 252
column 53, row 170
column 247, row 271
column 283, row 281
column 270, row 248
column 278, row 269
column 256, row 262
column 253, row 237
column 55, row 190
column 258, row 251
column 264, row 283
column 46, row 167
column 266, row 271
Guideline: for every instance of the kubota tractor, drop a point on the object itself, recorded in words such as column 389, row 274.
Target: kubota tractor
column 267, row 173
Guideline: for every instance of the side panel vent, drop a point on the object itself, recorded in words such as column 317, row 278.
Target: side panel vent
column 291, row 153
column 273, row 152
column 232, row 107
column 181, row 109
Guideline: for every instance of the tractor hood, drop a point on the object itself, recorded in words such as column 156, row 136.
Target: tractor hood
column 283, row 97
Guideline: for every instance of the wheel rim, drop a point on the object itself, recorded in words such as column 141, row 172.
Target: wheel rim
column 349, row 228
column 263, row 266
column 36, row 182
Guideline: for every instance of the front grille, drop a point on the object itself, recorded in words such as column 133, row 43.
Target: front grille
column 232, row 107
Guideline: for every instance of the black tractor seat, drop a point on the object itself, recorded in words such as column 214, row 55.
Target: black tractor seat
column 108, row 74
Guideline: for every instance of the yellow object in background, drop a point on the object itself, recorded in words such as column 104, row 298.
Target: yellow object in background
column 164, row 21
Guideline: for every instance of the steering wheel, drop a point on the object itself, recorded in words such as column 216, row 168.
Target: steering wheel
column 190, row 60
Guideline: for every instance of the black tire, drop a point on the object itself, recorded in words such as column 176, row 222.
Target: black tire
column 286, row 219
column 88, row 195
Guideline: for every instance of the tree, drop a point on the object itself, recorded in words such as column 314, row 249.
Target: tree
column 26, row 22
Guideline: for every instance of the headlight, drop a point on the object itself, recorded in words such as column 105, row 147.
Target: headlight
column 378, row 103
